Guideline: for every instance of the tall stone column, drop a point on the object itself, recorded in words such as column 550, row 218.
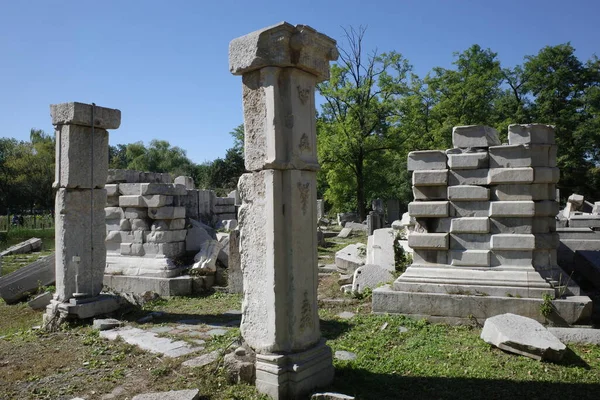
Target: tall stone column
column 280, row 67
column 81, row 172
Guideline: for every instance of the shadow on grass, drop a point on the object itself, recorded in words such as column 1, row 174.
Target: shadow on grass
column 332, row 329
column 368, row 385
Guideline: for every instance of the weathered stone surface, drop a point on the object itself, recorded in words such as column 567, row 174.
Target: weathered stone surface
column 206, row 258
column 512, row 209
column 430, row 177
column 468, row 193
column 81, row 114
column 201, row 361
column 546, row 175
column 189, row 394
column 430, row 192
column 518, row 225
column 80, row 246
column 469, row 258
column 510, row 175
column 426, row 160
column 522, row 335
column 112, row 190
column 106, row 324
column 81, row 158
column 283, row 45
column 512, row 242
column 470, row 225
column 428, row 209
column 149, row 341
column 510, row 156
column 350, row 257
column 512, row 258
column 548, row 208
column 166, row 212
column 40, row 301
column 512, row 192
column 469, row 209
column 344, row 233
column 145, row 201
column 166, row 236
column 474, row 136
column 147, row 189
column 186, row 181
column 468, row 177
column 468, row 160
column 576, row 335
column 546, row 240
column 531, row 133
column 469, row 241
column 122, row 175
column 433, row 241
column 380, row 249
column 27, row 246
column 370, row 276
column 167, row 224
column 424, row 256
column 270, row 316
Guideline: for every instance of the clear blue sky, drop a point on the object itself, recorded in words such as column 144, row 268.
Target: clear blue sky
column 164, row 63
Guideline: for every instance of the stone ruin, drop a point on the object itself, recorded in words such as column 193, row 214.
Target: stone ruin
column 280, row 67
column 483, row 239
column 153, row 224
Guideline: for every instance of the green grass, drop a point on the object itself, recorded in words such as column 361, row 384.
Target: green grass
column 446, row 362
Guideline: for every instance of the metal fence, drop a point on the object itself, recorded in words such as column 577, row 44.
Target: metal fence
column 35, row 221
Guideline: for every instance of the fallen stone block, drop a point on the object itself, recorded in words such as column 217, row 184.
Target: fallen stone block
column 344, row 233
column 576, row 335
column 355, row 226
column 202, row 360
column 350, row 257
column 28, row 246
column 206, row 258
column 40, row 301
column 190, row 394
column 370, row 276
column 426, row 160
column 522, row 335
column 105, row 324
column 474, row 136
column 23, row 281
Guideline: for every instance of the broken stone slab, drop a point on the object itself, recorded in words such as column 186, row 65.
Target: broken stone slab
column 350, row 257
column 344, row 233
column 27, row 246
column 206, row 258
column 149, row 341
column 531, row 134
column 576, row 335
column 75, row 113
column 283, row 45
column 474, row 136
column 380, row 248
column 522, row 335
column 370, row 276
column 19, row 283
column 356, row 226
column 426, row 159
column 331, row 396
column 202, row 360
column 105, row 324
column 188, row 394
column 41, row 301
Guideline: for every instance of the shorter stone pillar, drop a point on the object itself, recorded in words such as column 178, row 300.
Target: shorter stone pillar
column 81, row 172
column 278, row 218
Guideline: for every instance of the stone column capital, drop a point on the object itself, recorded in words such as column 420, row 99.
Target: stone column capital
column 75, row 113
column 283, row 45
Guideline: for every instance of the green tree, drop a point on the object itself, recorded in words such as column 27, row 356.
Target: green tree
column 354, row 128
column 159, row 156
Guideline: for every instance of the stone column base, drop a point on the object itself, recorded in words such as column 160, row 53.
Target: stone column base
column 58, row 312
column 293, row 376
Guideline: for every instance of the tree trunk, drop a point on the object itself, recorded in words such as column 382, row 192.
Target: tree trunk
column 360, row 190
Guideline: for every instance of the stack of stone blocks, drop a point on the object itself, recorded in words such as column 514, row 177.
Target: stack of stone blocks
column 144, row 220
column 81, row 172
column 485, row 205
column 485, row 225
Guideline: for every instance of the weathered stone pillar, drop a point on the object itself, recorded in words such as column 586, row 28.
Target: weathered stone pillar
column 280, row 67
column 81, row 172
